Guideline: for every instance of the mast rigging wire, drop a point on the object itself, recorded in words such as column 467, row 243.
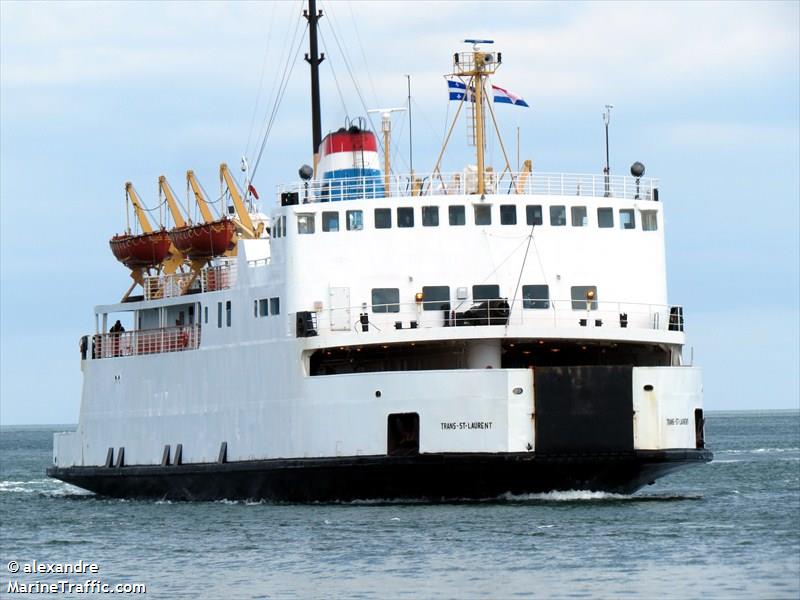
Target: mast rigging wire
column 260, row 80
column 278, row 100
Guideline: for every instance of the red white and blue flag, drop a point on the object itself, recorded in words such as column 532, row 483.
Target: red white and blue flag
column 458, row 91
column 507, row 96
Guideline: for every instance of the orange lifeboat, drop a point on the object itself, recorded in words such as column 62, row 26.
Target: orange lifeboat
column 145, row 250
column 205, row 240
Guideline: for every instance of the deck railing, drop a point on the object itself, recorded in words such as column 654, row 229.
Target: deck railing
column 145, row 341
column 210, row 279
column 539, row 314
column 466, row 182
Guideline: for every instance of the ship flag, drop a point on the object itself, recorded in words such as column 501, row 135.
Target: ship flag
column 507, row 96
column 458, row 90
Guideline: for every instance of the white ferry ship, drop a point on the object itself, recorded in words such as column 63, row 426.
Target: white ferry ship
column 375, row 335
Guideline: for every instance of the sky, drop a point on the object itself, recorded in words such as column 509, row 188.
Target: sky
column 705, row 94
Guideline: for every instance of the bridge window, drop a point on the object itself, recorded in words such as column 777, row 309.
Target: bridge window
column 205, row 314
column 385, row 300
column 262, row 307
column 485, row 292
column 558, row 216
column 579, row 216
column 219, row 314
column 584, row 297
column 430, row 216
column 627, row 219
column 508, row 214
column 274, row 306
column 305, row 223
column 228, row 313
column 605, row 217
column 649, row 220
column 355, row 220
column 330, row 221
column 457, row 215
column 535, row 296
column 436, row 297
column 483, row 214
column 533, row 214
column 405, row 216
column 383, row 218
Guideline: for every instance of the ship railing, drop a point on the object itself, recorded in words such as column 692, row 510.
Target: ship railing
column 210, row 279
column 145, row 341
column 543, row 314
column 466, row 182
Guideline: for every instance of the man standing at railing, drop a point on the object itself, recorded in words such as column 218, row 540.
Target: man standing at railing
column 116, row 329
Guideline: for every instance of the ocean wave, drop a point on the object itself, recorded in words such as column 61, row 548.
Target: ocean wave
column 43, row 487
column 758, row 451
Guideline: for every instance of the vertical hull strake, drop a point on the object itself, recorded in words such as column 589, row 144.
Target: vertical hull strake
column 445, row 476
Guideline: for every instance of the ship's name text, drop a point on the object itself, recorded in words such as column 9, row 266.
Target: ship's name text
column 453, row 425
column 678, row 421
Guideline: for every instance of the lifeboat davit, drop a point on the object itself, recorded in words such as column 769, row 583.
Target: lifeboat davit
column 145, row 250
column 205, row 240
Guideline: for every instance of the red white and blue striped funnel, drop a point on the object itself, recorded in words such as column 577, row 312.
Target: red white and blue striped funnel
column 350, row 164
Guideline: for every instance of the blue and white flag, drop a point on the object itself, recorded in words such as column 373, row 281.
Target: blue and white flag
column 508, row 97
column 458, row 90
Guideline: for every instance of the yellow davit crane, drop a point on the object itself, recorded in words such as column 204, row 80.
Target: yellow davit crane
column 199, row 197
column 165, row 189
column 138, row 210
column 244, row 224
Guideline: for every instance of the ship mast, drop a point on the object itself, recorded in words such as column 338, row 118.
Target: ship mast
column 313, row 58
column 477, row 66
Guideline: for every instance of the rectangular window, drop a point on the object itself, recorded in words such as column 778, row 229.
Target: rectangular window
column 228, row 313
column 436, row 297
column 405, row 216
column 483, row 214
column 485, row 292
column 274, row 306
column 627, row 220
column 355, row 220
column 283, row 226
column 430, row 216
column 605, row 217
column 305, row 223
column 383, row 218
column 385, row 300
column 219, row 314
column 558, row 216
column 330, row 221
column 579, row 216
column 205, row 314
column 649, row 220
column 533, row 214
column 508, row 214
column 535, row 296
column 255, row 308
column 263, row 307
column 583, row 297
column 456, row 215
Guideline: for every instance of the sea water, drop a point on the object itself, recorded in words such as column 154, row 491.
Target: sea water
column 729, row 529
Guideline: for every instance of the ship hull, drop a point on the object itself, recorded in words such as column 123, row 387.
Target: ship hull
column 432, row 477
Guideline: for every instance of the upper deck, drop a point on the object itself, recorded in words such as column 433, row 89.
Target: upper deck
column 466, row 182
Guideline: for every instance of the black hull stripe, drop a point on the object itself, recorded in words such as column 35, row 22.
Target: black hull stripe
column 426, row 476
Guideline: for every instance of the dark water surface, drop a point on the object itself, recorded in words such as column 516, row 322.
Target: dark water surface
column 730, row 529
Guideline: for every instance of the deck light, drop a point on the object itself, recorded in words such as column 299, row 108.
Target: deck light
column 419, row 296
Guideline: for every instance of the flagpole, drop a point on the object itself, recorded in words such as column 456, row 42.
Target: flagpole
column 410, row 138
